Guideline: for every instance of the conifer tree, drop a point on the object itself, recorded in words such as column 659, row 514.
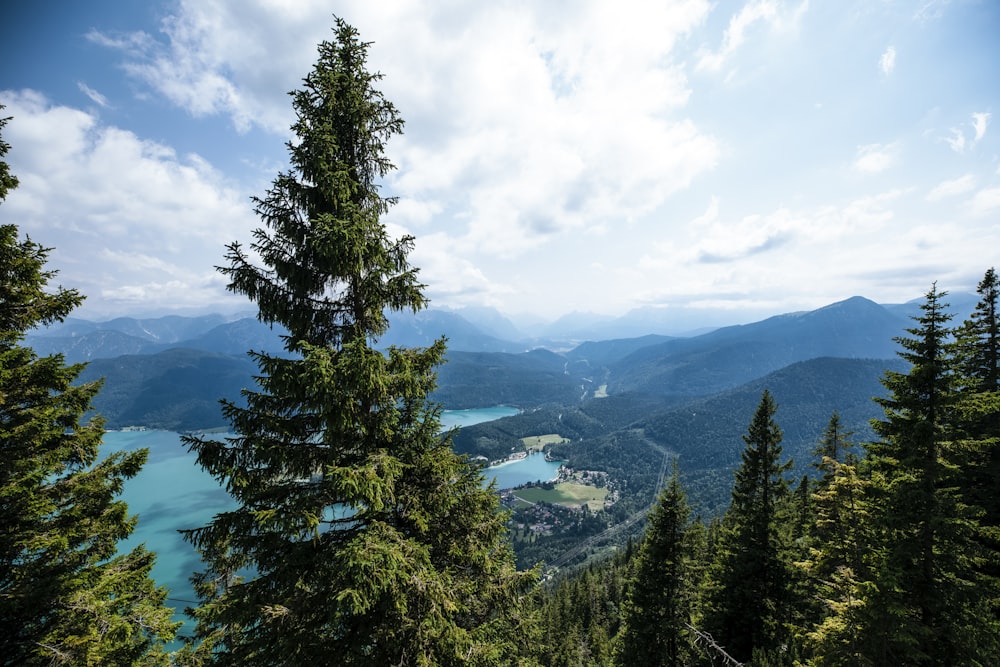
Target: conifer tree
column 747, row 597
column 978, row 412
column 979, row 339
column 360, row 537
column 836, row 566
column 657, row 612
column 922, row 607
column 978, row 361
column 65, row 596
column 837, row 499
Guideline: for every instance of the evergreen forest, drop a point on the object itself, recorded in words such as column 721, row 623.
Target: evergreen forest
column 362, row 535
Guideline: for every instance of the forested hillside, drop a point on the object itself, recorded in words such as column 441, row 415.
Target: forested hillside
column 673, row 369
column 855, row 328
column 175, row 390
column 886, row 554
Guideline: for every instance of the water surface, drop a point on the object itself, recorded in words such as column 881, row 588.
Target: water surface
column 173, row 492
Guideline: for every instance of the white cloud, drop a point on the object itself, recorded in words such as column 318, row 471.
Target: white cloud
column 740, row 25
column 932, row 10
column 874, row 158
column 710, row 215
column 134, row 43
column 887, row 62
column 760, row 10
column 814, row 255
column 753, row 235
column 453, row 279
column 94, row 96
column 979, row 123
column 985, row 201
column 527, row 127
column 950, row 188
column 125, row 216
column 548, row 147
column 232, row 58
column 958, row 142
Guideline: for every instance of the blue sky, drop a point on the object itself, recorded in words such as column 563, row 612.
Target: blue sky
column 748, row 158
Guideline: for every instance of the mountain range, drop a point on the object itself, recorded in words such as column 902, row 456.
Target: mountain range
column 467, row 330
column 169, row 372
column 621, row 405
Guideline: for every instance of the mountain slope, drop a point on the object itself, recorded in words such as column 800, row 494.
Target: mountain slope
column 529, row 379
column 703, row 365
column 708, row 433
column 82, row 340
column 175, row 390
column 597, row 354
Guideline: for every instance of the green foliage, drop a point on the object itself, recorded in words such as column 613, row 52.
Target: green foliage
column 477, row 379
column 360, row 537
column 979, row 340
column 65, row 596
column 174, row 390
column 978, row 423
column 978, row 407
column 7, row 180
column 660, row 593
column 889, row 558
column 835, row 561
column 580, row 615
column 747, row 588
column 921, row 607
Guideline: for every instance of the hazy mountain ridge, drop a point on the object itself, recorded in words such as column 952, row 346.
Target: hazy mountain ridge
column 691, row 396
column 471, row 330
column 82, row 340
column 672, row 369
column 175, row 390
column 702, row 365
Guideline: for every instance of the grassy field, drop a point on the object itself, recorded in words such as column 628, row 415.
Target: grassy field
column 536, row 442
column 570, row 494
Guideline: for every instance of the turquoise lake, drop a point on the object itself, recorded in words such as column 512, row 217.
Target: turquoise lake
column 173, row 492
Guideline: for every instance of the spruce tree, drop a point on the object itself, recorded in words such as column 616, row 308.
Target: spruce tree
column 979, row 340
column 359, row 536
column 837, row 498
column 746, row 601
column 978, row 379
column 921, row 608
column 836, row 567
column 65, row 596
column 978, row 415
column 657, row 612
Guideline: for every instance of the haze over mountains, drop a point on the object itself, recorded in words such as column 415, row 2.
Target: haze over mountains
column 170, row 372
column 621, row 403
column 470, row 329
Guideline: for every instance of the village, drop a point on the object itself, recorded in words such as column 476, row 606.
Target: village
column 565, row 505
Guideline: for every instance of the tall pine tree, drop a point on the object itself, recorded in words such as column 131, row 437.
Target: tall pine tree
column 978, row 411
column 921, row 608
column 65, row 596
column 978, row 367
column 658, row 608
column 979, row 339
column 836, row 567
column 747, row 593
column 359, row 538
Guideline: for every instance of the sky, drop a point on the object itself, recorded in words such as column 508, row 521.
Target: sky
column 739, row 157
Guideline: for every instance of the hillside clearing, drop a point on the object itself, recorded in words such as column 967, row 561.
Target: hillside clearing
column 534, row 443
column 569, row 494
